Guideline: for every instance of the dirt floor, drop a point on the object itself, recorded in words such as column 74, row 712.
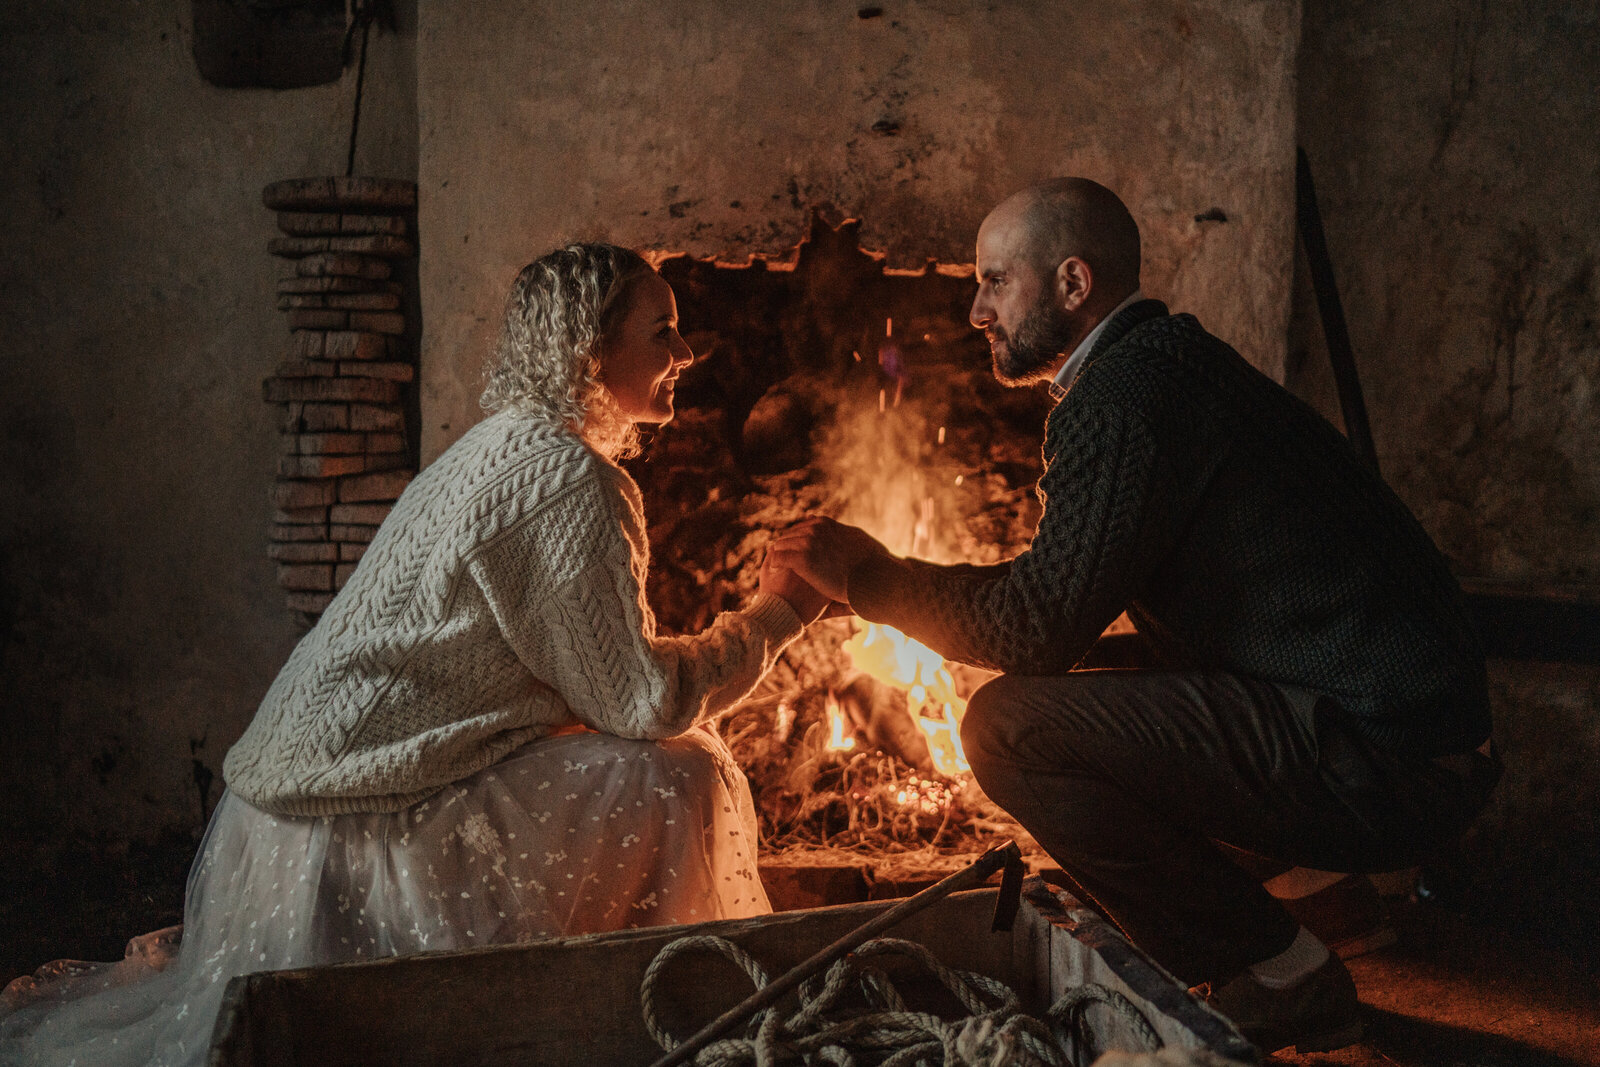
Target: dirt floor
column 1455, row 991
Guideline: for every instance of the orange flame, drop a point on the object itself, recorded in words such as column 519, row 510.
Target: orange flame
column 838, row 740
column 895, row 659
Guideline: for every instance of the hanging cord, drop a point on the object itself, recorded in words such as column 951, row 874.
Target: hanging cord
column 366, row 12
column 995, row 1031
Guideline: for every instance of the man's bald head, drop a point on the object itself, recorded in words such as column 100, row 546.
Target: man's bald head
column 1053, row 260
column 1067, row 217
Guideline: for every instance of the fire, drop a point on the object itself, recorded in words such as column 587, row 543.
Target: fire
column 895, row 659
column 838, row 740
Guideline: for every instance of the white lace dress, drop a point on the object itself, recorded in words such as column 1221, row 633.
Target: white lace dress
column 574, row 833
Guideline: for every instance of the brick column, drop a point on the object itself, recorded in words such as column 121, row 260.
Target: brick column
column 345, row 457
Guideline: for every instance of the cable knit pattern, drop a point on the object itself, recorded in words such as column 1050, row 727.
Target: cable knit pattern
column 1237, row 528
column 502, row 598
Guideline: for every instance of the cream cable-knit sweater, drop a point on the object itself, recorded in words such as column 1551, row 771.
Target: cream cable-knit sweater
column 503, row 597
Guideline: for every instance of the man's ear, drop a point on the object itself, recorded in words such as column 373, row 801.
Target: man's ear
column 1074, row 283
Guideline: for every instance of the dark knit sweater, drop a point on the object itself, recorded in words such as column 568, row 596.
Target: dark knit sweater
column 1239, row 531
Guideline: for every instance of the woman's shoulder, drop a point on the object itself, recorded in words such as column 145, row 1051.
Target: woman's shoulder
column 512, row 447
column 513, row 468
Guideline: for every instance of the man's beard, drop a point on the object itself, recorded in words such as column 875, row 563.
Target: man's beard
column 1042, row 335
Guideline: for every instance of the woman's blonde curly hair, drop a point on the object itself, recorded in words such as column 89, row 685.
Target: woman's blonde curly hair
column 547, row 361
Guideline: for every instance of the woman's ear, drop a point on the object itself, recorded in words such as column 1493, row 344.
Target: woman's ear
column 1074, row 282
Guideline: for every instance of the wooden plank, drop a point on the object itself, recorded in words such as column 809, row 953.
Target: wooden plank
column 1548, row 622
column 1082, row 949
column 567, row 1001
column 575, row 1001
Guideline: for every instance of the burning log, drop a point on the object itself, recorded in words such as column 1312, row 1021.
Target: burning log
column 879, row 713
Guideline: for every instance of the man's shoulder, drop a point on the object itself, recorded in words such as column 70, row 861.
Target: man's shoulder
column 1160, row 331
column 1163, row 344
column 1161, row 369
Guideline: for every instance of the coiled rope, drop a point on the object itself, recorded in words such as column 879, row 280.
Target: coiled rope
column 995, row 1031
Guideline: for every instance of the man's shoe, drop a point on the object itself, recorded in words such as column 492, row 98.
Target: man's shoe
column 1347, row 916
column 1319, row 1013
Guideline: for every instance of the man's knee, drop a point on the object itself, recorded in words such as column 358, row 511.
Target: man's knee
column 989, row 729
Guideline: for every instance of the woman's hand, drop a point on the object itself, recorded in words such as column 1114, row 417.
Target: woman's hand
column 781, row 581
column 823, row 552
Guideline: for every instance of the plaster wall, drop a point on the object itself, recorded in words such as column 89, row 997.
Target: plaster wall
column 1453, row 143
column 714, row 128
column 139, row 618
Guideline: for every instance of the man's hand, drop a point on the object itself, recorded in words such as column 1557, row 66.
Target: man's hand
column 823, row 552
column 781, row 581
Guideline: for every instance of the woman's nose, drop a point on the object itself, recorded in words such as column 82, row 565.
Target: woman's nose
column 682, row 354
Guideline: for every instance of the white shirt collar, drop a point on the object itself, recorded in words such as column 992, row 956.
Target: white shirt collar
column 1069, row 370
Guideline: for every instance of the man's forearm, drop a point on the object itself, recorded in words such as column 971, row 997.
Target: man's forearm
column 915, row 596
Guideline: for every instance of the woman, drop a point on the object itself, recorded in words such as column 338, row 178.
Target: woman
column 483, row 740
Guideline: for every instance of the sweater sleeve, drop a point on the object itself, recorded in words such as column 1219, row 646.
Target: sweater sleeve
column 567, row 591
column 1116, row 495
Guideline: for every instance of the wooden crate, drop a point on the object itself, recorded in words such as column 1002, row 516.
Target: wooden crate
column 575, row 1001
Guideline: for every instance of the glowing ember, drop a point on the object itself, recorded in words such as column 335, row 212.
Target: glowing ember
column 929, row 795
column 895, row 659
column 838, row 740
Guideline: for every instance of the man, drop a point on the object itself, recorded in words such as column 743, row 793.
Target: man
column 1311, row 690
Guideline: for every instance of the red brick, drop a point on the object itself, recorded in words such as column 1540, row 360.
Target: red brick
column 324, row 444
column 283, row 531
column 303, row 552
column 384, row 485
column 394, row 372
column 363, row 301
column 391, row 322
column 351, row 553
column 385, row 442
column 296, row 285
column 301, row 516
column 320, row 466
column 342, row 573
column 295, row 247
column 342, row 264
column 315, row 418
column 390, row 224
column 302, row 301
column 377, row 244
column 296, row 494
column 306, row 368
column 309, row 577
column 367, row 417
column 351, row 345
column 340, row 194
column 368, row 390
column 308, row 223
column 350, row 532
column 360, row 514
column 318, row 319
column 310, row 603
column 306, row 344
column 387, row 461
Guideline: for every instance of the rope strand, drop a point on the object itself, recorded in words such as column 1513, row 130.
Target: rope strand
column 819, row 1032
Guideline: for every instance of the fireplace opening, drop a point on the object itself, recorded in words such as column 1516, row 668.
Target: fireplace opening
column 826, row 384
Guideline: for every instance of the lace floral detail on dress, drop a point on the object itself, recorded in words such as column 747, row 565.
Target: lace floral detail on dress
column 478, row 832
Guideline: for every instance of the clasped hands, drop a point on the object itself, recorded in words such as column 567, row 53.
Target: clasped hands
column 809, row 565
